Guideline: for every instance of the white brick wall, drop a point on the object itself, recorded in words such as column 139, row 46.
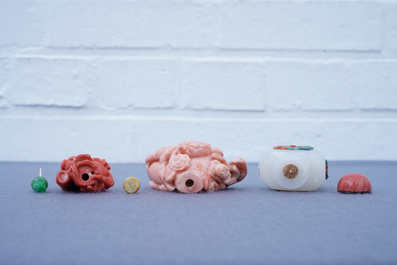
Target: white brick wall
column 332, row 85
column 48, row 81
column 223, row 85
column 119, row 83
column 22, row 23
column 299, row 25
column 119, row 78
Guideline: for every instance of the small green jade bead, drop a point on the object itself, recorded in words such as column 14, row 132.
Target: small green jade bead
column 39, row 184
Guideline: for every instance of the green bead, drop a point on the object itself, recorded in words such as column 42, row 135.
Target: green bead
column 39, row 184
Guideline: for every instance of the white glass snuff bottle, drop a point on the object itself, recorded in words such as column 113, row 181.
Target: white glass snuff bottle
column 293, row 168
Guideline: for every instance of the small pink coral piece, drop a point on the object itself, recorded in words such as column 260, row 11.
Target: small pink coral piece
column 354, row 183
column 192, row 167
column 84, row 173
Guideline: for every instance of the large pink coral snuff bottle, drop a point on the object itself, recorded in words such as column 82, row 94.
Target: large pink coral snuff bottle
column 192, row 167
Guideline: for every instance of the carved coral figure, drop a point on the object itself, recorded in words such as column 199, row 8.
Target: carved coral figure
column 192, row 167
column 85, row 174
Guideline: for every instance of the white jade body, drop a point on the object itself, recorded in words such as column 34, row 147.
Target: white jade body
column 310, row 164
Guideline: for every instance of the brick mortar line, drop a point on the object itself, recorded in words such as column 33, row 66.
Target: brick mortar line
column 145, row 118
column 183, row 59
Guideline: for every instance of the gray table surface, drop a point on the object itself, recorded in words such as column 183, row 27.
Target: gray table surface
column 245, row 224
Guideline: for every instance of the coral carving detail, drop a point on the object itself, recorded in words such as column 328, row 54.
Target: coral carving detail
column 193, row 167
column 84, row 173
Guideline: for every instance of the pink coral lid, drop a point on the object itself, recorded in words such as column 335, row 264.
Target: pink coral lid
column 354, row 183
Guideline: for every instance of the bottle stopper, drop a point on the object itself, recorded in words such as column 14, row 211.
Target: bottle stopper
column 39, row 184
column 131, row 185
column 354, row 183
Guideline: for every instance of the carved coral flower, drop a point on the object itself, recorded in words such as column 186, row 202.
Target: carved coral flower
column 179, row 162
column 169, row 174
column 196, row 149
column 220, row 171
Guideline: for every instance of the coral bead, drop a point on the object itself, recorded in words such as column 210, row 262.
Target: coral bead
column 354, row 183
